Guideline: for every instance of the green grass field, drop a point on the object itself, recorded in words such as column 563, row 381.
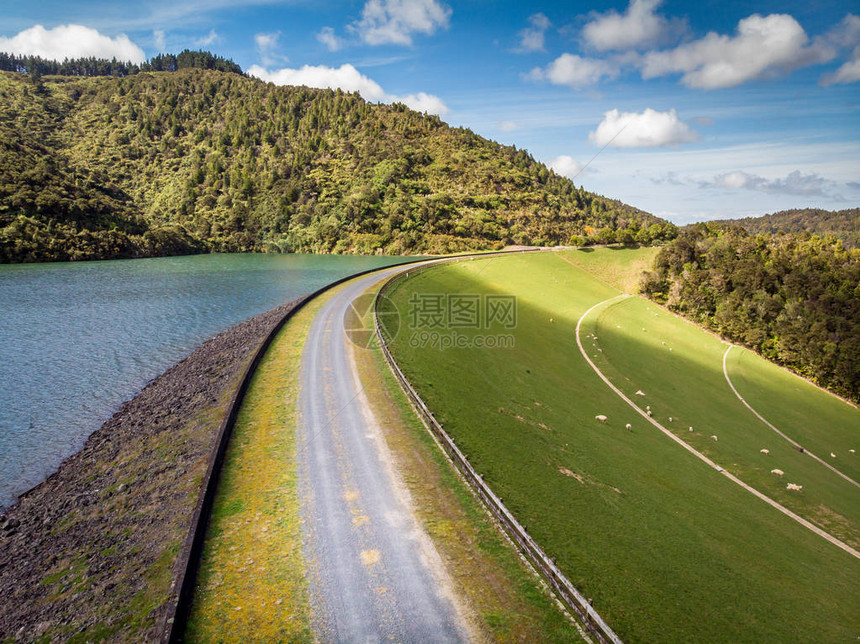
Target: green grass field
column 687, row 384
column 668, row 548
column 811, row 419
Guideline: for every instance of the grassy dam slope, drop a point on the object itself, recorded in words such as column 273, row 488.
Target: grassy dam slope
column 669, row 548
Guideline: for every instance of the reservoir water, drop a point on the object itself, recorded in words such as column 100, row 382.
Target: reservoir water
column 79, row 338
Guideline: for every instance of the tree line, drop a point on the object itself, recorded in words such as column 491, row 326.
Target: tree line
column 794, row 298
column 36, row 66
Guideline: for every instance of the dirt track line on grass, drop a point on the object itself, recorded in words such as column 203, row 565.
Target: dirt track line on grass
column 765, row 421
column 821, row 533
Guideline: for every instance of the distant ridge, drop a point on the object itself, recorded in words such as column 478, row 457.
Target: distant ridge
column 844, row 224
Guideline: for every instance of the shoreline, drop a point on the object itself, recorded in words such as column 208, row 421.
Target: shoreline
column 91, row 550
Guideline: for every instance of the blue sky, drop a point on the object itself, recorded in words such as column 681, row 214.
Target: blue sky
column 691, row 111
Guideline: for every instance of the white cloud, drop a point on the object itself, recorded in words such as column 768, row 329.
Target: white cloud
column 650, row 129
column 532, row 37
column 71, row 41
column 574, row 71
column 207, row 40
column 420, row 102
column 846, row 35
column 328, row 38
column 796, row 183
column 763, row 46
column 267, row 46
column 566, row 166
column 159, row 40
column 349, row 79
column 507, row 126
column 638, row 27
column 267, row 41
column 394, row 21
column 849, row 72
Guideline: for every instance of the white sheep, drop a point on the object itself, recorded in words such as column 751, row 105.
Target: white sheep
column 714, row 437
column 640, row 393
column 670, row 419
column 600, row 417
column 794, row 486
column 765, row 451
column 629, row 427
column 649, row 413
column 777, row 472
column 851, row 450
column 691, row 428
column 648, row 407
column 832, row 455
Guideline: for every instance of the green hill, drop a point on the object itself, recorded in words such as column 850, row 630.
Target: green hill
column 844, row 224
column 203, row 160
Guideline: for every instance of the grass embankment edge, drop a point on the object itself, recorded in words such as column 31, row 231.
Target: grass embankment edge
column 506, row 600
column 251, row 581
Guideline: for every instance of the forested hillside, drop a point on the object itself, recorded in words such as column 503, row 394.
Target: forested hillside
column 196, row 159
column 793, row 298
column 844, row 224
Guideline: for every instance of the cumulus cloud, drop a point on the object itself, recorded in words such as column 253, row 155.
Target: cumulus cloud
column 848, row 72
column 846, row 35
column 507, row 126
column 574, row 71
column 328, row 38
column 71, row 41
column 796, row 183
column 267, row 47
column 395, row 21
column 349, row 79
column 566, row 166
column 638, row 27
column 763, row 46
column 532, row 37
column 207, row 40
column 265, row 41
column 159, row 40
column 649, row 129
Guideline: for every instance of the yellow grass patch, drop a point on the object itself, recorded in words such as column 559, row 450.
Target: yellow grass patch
column 252, row 584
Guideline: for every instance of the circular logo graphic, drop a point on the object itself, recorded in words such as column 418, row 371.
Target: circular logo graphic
column 358, row 320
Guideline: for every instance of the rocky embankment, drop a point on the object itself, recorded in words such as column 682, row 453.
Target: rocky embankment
column 91, row 553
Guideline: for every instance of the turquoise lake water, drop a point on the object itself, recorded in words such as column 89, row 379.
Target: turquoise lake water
column 77, row 339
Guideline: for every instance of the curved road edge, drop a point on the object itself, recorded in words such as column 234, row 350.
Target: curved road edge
column 696, row 453
column 542, row 564
column 773, row 427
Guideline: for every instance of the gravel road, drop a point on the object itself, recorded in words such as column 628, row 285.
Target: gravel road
column 373, row 573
